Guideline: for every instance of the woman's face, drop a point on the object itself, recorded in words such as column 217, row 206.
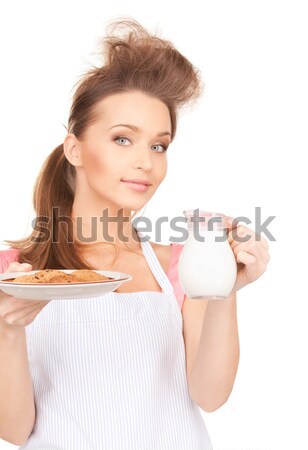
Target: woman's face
column 111, row 152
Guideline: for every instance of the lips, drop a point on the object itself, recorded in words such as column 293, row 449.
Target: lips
column 137, row 181
column 136, row 185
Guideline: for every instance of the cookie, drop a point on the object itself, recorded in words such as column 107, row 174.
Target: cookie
column 26, row 279
column 64, row 278
column 57, row 276
column 85, row 275
column 45, row 275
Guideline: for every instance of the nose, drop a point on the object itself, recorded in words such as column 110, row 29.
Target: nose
column 143, row 159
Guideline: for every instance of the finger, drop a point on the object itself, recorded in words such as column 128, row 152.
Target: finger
column 241, row 232
column 239, row 247
column 25, row 314
column 256, row 250
column 245, row 258
column 261, row 253
column 14, row 308
column 239, row 235
column 264, row 243
column 262, row 240
column 235, row 243
column 18, row 267
column 231, row 222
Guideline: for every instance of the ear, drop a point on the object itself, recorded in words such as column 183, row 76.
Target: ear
column 72, row 151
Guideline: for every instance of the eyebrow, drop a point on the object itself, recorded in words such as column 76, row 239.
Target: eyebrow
column 134, row 128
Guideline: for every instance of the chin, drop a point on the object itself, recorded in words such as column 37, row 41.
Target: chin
column 128, row 204
column 133, row 206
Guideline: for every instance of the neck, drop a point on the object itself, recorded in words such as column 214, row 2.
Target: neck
column 107, row 225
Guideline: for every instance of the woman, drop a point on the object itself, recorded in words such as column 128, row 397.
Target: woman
column 126, row 371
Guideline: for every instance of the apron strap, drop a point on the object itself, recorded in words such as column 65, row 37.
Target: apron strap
column 155, row 265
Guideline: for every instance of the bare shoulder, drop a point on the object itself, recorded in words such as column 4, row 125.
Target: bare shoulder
column 163, row 253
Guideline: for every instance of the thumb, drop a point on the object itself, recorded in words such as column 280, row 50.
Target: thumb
column 19, row 267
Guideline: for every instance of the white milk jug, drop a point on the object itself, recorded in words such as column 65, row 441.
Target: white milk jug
column 207, row 267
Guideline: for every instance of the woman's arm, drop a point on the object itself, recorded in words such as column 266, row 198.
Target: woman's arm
column 210, row 327
column 17, row 410
column 212, row 350
column 17, row 406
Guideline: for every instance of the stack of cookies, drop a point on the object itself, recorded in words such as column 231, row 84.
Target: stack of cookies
column 58, row 276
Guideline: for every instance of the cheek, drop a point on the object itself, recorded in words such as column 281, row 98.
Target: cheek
column 162, row 170
column 93, row 163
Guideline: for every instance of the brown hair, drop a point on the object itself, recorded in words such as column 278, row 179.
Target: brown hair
column 133, row 59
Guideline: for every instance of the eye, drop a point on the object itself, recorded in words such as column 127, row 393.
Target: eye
column 164, row 149
column 123, row 138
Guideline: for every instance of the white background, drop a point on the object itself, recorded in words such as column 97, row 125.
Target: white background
column 242, row 146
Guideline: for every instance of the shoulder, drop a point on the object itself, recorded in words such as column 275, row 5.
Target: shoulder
column 168, row 256
column 163, row 253
column 6, row 257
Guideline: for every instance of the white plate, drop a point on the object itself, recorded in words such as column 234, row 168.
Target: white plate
column 53, row 291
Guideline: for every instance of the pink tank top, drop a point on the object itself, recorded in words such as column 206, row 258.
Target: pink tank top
column 10, row 255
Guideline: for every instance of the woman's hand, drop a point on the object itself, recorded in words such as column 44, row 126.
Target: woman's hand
column 16, row 313
column 251, row 256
